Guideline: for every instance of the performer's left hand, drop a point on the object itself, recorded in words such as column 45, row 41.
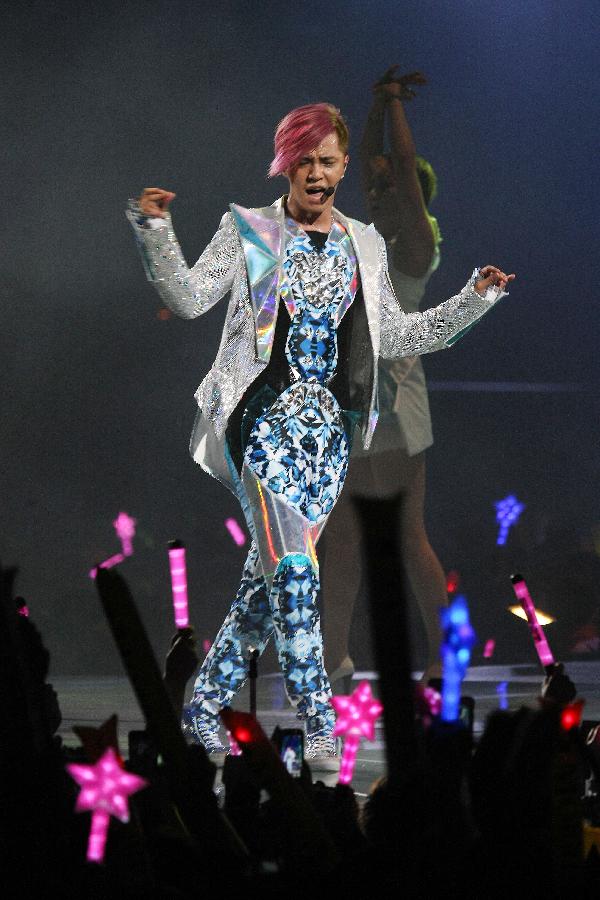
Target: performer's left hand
column 492, row 277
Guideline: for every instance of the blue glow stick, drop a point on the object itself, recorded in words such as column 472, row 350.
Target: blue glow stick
column 458, row 640
column 501, row 690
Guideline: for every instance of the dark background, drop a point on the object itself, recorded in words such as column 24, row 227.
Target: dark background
column 101, row 99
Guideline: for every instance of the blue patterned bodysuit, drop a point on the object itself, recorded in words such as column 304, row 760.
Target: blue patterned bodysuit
column 294, row 466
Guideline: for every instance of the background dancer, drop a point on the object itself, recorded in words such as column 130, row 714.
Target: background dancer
column 399, row 187
column 311, row 306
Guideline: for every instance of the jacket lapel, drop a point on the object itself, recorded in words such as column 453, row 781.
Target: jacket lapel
column 364, row 240
column 261, row 236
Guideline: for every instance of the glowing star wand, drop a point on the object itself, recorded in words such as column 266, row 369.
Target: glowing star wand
column 356, row 716
column 179, row 583
column 105, row 787
column 124, row 525
column 458, row 640
column 507, row 514
column 537, row 632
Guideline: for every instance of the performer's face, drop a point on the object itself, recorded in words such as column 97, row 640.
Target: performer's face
column 382, row 197
column 320, row 169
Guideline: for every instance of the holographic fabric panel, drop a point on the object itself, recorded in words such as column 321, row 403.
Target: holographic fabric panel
column 279, row 528
column 261, row 243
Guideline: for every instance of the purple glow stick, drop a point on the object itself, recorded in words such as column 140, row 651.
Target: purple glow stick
column 537, row 632
column 235, row 531
column 179, row 583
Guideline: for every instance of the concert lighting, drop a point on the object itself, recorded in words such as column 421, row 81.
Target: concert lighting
column 542, row 617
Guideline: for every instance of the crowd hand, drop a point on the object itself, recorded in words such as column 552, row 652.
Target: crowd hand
column 182, row 659
column 307, row 836
column 557, row 686
column 154, row 202
column 258, row 750
column 392, row 85
column 490, row 276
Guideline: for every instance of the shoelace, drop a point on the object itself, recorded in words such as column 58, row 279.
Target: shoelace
column 208, row 737
column 319, row 745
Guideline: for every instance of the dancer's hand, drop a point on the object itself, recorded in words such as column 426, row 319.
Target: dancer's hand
column 154, row 202
column 491, row 276
column 392, row 85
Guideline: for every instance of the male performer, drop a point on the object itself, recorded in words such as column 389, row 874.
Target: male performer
column 311, row 305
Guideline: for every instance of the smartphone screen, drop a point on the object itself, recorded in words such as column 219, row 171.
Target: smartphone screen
column 291, row 750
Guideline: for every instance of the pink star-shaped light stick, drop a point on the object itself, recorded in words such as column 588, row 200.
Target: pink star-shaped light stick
column 105, row 787
column 356, row 716
column 124, row 525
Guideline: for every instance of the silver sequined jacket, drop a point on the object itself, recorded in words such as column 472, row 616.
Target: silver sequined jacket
column 244, row 259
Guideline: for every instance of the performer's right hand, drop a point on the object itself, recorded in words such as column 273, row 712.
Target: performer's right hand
column 154, row 202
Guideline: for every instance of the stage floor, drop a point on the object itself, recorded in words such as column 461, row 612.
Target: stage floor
column 90, row 701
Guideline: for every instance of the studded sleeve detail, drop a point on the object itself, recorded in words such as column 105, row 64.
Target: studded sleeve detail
column 403, row 334
column 188, row 292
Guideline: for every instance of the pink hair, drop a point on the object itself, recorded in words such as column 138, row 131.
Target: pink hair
column 302, row 130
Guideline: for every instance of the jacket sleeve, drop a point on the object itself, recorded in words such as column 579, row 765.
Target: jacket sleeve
column 403, row 334
column 188, row 292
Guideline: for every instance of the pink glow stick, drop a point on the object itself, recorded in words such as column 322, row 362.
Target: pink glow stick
column 537, row 632
column 488, row 650
column 179, row 583
column 356, row 716
column 235, row 531
column 351, row 745
column 98, row 834
column 107, row 564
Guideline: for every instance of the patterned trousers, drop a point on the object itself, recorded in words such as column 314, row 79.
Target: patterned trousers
column 289, row 613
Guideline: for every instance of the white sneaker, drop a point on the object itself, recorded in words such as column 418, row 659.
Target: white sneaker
column 198, row 732
column 322, row 753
